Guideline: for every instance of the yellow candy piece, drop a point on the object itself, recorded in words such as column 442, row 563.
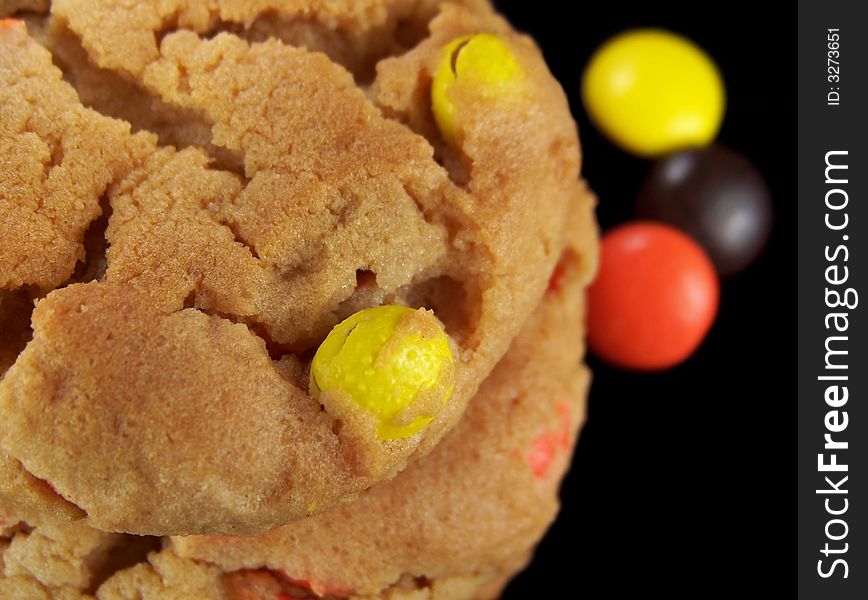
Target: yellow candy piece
column 481, row 65
column 393, row 362
column 654, row 92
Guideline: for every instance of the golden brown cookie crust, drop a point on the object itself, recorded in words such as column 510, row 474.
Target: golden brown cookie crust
column 58, row 160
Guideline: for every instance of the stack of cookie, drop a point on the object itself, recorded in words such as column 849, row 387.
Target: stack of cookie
column 291, row 299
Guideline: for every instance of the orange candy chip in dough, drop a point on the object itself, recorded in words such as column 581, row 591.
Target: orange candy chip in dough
column 318, row 588
column 271, row 584
column 546, row 446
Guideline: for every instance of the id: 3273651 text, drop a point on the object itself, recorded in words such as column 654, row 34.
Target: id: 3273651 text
column 833, row 66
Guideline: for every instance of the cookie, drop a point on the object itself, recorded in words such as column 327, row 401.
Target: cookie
column 182, row 292
column 456, row 524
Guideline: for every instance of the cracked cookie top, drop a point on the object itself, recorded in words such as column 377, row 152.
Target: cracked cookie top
column 198, row 194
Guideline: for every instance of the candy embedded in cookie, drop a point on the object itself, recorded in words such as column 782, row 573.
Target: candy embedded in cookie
column 479, row 66
column 392, row 362
column 548, row 445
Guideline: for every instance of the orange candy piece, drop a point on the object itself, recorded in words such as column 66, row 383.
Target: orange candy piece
column 654, row 299
column 546, row 446
column 556, row 281
column 318, row 588
column 264, row 584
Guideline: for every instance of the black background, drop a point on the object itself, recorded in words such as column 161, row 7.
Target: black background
column 684, row 482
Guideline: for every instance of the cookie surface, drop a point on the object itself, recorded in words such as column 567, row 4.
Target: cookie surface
column 263, row 171
column 455, row 525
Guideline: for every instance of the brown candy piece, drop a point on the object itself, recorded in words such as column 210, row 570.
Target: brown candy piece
column 717, row 196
